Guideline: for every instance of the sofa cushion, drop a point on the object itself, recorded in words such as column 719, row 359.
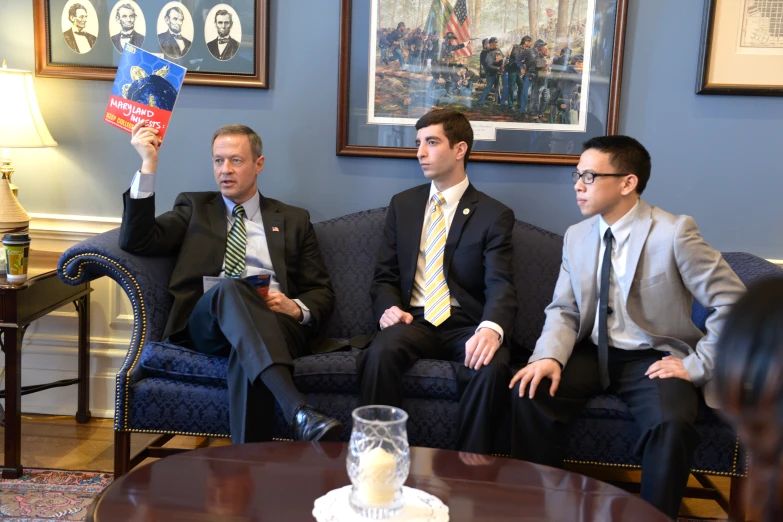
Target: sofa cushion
column 170, row 361
column 322, row 373
column 164, row 405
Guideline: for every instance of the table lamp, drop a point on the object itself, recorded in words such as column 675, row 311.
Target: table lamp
column 21, row 126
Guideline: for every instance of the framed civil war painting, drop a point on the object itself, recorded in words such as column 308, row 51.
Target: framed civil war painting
column 219, row 42
column 536, row 78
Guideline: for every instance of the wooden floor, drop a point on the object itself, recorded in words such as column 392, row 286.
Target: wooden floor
column 59, row 442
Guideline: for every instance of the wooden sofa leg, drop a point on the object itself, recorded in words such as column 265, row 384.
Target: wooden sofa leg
column 122, row 449
column 737, row 499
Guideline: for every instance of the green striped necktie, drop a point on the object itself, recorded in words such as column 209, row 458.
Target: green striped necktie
column 236, row 244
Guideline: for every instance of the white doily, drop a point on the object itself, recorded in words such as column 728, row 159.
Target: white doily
column 419, row 506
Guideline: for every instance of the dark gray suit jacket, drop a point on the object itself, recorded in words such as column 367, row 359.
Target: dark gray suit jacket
column 195, row 231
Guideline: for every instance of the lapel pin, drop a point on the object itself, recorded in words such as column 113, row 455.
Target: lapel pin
column 275, row 229
column 466, row 211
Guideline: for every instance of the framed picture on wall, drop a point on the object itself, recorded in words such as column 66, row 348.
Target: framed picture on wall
column 219, row 43
column 741, row 48
column 550, row 77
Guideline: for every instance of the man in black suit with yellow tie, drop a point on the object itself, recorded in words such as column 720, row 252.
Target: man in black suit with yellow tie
column 443, row 286
column 221, row 238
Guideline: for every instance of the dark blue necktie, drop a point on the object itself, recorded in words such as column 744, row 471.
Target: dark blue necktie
column 603, row 311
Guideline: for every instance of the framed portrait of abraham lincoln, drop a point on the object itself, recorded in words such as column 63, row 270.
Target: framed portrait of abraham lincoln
column 220, row 42
column 536, row 78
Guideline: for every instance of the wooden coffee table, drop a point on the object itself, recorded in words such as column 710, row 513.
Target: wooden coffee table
column 279, row 481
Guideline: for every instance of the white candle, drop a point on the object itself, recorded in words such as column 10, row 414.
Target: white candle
column 377, row 477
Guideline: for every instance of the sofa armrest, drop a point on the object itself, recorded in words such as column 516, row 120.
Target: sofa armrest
column 145, row 281
column 749, row 268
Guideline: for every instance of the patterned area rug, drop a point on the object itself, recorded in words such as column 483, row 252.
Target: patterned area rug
column 45, row 494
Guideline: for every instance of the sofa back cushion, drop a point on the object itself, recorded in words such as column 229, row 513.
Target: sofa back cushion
column 537, row 257
column 349, row 245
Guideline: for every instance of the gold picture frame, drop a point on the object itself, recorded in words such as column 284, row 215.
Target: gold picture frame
column 57, row 54
column 741, row 48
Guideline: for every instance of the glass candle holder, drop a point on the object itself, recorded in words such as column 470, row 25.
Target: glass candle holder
column 379, row 461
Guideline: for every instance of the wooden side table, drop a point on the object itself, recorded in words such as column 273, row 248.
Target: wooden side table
column 20, row 305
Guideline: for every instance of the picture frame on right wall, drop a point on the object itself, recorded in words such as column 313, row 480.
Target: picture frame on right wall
column 741, row 48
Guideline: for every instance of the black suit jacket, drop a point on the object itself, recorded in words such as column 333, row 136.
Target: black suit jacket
column 477, row 261
column 168, row 45
column 231, row 49
column 195, row 231
column 71, row 40
column 137, row 39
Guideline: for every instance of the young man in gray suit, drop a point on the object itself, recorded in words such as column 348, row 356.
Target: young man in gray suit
column 620, row 323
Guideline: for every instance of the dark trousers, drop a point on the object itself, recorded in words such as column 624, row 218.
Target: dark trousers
column 233, row 320
column 484, row 392
column 664, row 409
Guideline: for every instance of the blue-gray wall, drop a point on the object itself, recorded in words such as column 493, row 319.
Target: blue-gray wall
column 717, row 158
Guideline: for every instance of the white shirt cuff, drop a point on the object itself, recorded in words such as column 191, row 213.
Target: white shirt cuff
column 492, row 326
column 306, row 316
column 142, row 186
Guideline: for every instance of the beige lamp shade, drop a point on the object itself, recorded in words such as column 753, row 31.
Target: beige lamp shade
column 21, row 124
column 13, row 218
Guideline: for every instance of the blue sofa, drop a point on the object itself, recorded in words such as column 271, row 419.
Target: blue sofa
column 171, row 391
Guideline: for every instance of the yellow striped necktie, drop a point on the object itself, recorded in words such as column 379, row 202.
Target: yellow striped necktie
column 236, row 244
column 437, row 300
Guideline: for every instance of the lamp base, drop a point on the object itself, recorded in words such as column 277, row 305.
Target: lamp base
column 13, row 218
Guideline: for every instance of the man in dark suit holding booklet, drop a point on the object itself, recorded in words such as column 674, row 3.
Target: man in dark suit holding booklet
column 249, row 281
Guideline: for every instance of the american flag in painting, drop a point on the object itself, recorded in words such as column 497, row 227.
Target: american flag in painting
column 459, row 24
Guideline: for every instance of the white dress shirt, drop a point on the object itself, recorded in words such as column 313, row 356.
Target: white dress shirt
column 623, row 332
column 452, row 196
column 257, row 257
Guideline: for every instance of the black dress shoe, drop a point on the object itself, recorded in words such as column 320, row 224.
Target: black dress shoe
column 310, row 425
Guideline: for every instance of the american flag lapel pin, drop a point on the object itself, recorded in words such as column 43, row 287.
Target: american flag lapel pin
column 275, row 229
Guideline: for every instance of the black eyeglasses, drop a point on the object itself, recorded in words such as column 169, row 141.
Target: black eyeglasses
column 588, row 177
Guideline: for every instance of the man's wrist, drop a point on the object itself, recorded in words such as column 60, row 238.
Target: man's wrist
column 490, row 329
column 149, row 167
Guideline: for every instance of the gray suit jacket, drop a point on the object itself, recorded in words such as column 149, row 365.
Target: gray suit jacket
column 669, row 264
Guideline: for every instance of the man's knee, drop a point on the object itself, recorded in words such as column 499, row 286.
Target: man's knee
column 381, row 353
column 496, row 373
column 672, row 432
